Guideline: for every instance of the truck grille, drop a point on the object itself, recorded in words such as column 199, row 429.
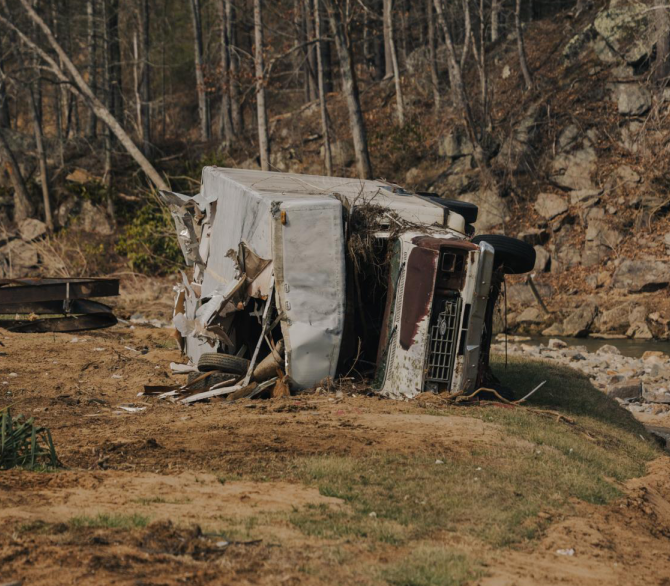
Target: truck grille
column 443, row 348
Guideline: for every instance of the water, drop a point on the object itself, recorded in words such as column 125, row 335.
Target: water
column 631, row 348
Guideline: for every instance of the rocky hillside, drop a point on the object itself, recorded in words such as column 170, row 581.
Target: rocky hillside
column 581, row 162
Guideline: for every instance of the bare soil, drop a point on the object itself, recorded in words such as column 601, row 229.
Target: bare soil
column 198, row 476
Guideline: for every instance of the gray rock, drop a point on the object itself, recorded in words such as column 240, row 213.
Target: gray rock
column 656, row 396
column 556, row 344
column 529, row 316
column 565, row 254
column 666, row 239
column 616, row 320
column 555, row 329
column 550, row 205
column 578, row 323
column 520, row 294
column 32, row 229
column 640, row 331
column 493, row 209
column 18, row 258
column 94, row 219
column 629, row 389
column 637, row 276
column 574, row 170
column 608, row 349
column 455, row 145
column 517, row 150
column 536, row 236
column 624, row 29
column 568, row 138
column 632, row 100
column 542, row 259
column 66, row 211
column 633, row 136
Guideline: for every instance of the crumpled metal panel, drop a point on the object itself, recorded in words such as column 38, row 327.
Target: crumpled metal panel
column 310, row 275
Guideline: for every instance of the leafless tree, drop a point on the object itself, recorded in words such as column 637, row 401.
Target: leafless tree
column 521, row 47
column 432, row 54
column 92, row 63
column 263, row 136
column 226, row 124
column 75, row 81
column 327, row 154
column 203, row 103
column 662, row 63
column 460, row 97
column 400, row 106
column 495, row 20
column 350, row 88
column 23, row 207
column 42, row 158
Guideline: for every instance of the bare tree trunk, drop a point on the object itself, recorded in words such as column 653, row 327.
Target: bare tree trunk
column 114, row 56
column 108, row 96
column 379, row 47
column 145, row 79
column 23, row 207
column 400, row 106
column 5, row 119
column 42, row 157
column 235, row 108
column 350, row 87
column 203, row 105
column 461, row 98
column 495, row 20
column 310, row 55
column 263, row 138
column 387, row 16
column 328, row 157
column 528, row 78
column 432, row 54
column 662, row 63
column 92, row 64
column 92, row 101
column 226, row 125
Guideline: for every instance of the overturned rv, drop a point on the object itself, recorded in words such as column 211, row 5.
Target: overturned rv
column 334, row 275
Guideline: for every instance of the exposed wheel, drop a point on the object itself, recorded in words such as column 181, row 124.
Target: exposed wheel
column 224, row 362
column 469, row 211
column 513, row 255
column 214, row 378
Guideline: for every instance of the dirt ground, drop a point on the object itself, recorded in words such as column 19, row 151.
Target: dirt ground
column 195, row 479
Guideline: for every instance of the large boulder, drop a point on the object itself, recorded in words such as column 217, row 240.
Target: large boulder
column 542, row 259
column 578, row 324
column 32, row 229
column 628, row 389
column 493, row 209
column 94, row 219
column 615, row 320
column 550, row 205
column 18, row 258
column 624, row 29
column 455, row 145
column 517, row 150
column 632, row 99
column 637, row 276
column 573, row 170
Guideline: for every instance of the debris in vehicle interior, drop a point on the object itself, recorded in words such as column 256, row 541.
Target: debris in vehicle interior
column 26, row 299
column 317, row 276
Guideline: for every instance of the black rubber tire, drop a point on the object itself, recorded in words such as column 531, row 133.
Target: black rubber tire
column 213, row 379
column 469, row 211
column 223, row 362
column 513, row 255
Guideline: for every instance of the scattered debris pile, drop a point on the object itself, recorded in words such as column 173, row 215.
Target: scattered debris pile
column 64, row 304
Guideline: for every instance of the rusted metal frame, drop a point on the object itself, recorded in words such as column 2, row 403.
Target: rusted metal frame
column 38, row 291
column 93, row 321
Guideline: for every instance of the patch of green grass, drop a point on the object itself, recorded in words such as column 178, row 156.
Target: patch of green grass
column 493, row 493
column 109, row 521
column 432, row 566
